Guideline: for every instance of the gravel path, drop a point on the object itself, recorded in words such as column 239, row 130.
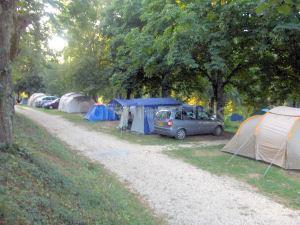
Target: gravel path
column 178, row 191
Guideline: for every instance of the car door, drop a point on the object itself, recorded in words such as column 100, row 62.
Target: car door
column 205, row 124
column 188, row 122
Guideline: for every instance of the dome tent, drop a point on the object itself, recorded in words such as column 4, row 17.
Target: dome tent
column 100, row 112
column 34, row 97
column 75, row 103
column 273, row 138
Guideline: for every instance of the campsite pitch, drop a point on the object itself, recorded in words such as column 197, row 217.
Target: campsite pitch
column 175, row 189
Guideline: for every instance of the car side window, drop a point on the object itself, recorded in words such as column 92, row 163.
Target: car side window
column 202, row 115
column 178, row 116
column 188, row 115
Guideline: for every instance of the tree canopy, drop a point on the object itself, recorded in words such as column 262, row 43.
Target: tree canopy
column 203, row 49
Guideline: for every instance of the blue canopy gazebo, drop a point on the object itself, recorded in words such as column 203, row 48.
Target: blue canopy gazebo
column 143, row 111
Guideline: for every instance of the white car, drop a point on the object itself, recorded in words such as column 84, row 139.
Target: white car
column 42, row 100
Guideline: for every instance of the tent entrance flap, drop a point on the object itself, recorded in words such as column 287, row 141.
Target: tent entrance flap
column 138, row 119
column 271, row 140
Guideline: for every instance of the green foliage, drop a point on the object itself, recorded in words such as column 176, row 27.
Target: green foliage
column 284, row 7
column 29, row 84
column 42, row 182
column 86, row 63
column 246, row 51
column 275, row 80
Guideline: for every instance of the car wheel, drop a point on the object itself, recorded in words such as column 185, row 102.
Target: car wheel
column 180, row 134
column 218, row 131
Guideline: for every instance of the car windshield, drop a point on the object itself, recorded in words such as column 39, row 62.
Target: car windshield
column 162, row 115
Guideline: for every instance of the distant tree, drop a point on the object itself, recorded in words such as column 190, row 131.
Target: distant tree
column 29, row 84
column 86, row 62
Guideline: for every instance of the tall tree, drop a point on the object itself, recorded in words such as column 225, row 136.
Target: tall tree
column 120, row 17
column 86, row 53
column 217, row 41
column 13, row 22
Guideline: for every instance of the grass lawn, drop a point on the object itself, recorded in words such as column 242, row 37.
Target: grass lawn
column 43, row 182
column 279, row 184
column 231, row 126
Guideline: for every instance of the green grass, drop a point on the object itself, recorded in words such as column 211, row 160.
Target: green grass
column 43, row 182
column 231, row 126
column 279, row 184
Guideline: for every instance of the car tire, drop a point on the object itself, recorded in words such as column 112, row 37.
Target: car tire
column 218, row 131
column 180, row 134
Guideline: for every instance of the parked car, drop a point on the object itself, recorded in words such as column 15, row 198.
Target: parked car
column 52, row 105
column 181, row 122
column 42, row 100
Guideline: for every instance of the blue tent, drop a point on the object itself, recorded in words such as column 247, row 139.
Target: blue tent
column 236, row 117
column 100, row 113
column 261, row 111
column 143, row 111
column 24, row 101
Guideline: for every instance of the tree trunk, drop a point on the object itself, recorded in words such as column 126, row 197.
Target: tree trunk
column 212, row 105
column 18, row 97
column 95, row 97
column 6, row 90
column 165, row 91
column 218, row 89
column 220, row 102
column 165, row 87
column 294, row 103
column 128, row 93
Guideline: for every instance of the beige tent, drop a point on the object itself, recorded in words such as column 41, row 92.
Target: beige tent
column 75, row 103
column 34, row 97
column 273, row 138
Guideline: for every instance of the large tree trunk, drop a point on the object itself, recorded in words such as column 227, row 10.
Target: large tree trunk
column 128, row 93
column 165, row 87
column 218, row 89
column 220, row 102
column 212, row 105
column 7, row 29
column 165, row 91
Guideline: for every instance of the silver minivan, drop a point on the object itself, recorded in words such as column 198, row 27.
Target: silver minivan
column 181, row 122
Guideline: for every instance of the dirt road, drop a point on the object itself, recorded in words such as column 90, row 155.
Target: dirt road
column 174, row 189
